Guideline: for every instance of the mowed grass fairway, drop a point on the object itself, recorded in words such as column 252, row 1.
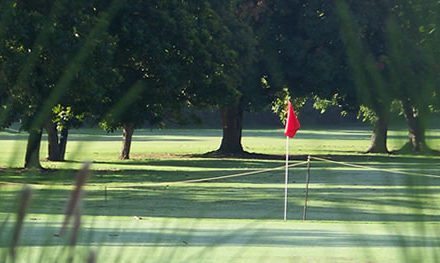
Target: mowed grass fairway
column 132, row 214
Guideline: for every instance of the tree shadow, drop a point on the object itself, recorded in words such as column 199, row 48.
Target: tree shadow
column 43, row 235
column 336, row 192
column 173, row 170
column 194, row 161
column 407, row 149
column 224, row 202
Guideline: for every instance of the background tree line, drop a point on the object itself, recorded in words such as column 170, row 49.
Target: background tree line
column 122, row 64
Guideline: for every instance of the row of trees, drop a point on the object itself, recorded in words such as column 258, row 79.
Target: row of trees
column 392, row 55
column 124, row 64
column 373, row 57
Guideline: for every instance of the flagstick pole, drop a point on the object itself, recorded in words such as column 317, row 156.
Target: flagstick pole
column 286, row 178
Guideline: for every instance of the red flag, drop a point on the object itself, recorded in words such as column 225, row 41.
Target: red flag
column 292, row 123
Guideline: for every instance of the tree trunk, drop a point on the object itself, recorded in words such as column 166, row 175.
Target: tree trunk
column 32, row 158
column 53, row 149
column 416, row 130
column 127, row 135
column 56, row 144
column 379, row 136
column 232, row 122
column 63, row 142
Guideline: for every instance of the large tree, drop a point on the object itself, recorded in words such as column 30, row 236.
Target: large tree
column 413, row 58
column 161, row 56
column 391, row 46
column 84, row 100
column 391, row 49
column 362, row 27
column 226, row 78
column 301, row 51
column 46, row 44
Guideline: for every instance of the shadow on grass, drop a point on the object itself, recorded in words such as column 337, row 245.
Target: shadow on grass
column 192, row 161
column 187, row 237
column 263, row 203
column 171, row 170
column 134, row 178
column 216, row 160
column 336, row 192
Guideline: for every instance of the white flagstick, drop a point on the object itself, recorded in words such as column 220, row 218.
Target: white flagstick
column 287, row 178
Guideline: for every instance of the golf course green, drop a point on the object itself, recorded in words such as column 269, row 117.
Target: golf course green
column 361, row 207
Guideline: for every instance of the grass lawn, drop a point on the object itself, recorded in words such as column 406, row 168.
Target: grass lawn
column 131, row 214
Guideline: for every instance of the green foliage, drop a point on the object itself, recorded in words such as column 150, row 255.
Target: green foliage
column 366, row 114
column 363, row 44
column 47, row 47
column 171, row 56
column 323, row 104
column 413, row 42
column 118, row 63
column 300, row 49
column 64, row 117
column 390, row 56
column 279, row 105
column 224, row 58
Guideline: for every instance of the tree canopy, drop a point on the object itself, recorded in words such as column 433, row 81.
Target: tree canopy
column 126, row 64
